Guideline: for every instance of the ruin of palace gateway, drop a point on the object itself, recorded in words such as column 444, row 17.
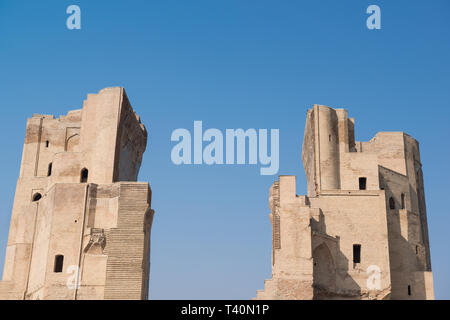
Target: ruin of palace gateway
column 361, row 232
column 78, row 206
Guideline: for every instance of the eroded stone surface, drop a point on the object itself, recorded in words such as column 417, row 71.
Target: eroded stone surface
column 314, row 235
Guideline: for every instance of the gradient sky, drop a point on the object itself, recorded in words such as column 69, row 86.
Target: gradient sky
column 232, row 64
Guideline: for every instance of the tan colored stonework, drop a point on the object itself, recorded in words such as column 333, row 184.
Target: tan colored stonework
column 91, row 210
column 314, row 235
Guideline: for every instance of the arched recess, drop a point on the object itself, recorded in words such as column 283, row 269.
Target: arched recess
column 36, row 197
column 72, row 143
column 324, row 270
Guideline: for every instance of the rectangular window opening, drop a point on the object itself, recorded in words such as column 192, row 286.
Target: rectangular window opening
column 356, row 253
column 59, row 261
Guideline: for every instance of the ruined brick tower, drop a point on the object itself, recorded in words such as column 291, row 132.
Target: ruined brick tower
column 361, row 232
column 78, row 206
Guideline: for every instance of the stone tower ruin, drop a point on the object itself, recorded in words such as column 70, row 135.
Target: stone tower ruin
column 80, row 224
column 361, row 232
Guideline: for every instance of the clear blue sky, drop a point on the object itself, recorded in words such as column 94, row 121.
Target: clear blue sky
column 232, row 64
